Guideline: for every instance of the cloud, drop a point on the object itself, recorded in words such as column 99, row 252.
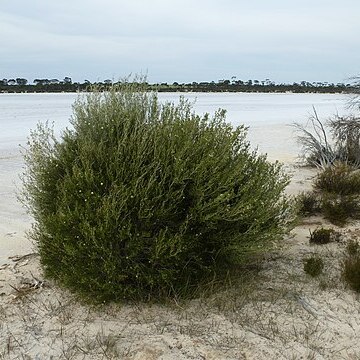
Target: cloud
column 173, row 38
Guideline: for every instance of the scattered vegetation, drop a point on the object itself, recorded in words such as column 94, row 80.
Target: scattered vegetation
column 144, row 201
column 321, row 236
column 313, row 265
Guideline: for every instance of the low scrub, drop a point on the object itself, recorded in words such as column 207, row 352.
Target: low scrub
column 340, row 179
column 339, row 209
column 143, row 201
column 336, row 195
column 308, row 203
column 313, row 265
column 322, row 236
column 351, row 266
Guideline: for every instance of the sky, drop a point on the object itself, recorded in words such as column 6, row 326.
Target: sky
column 183, row 41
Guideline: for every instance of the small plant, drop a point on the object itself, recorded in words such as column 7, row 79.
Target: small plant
column 351, row 269
column 308, row 203
column 340, row 179
column 352, row 247
column 313, row 266
column 338, row 209
column 321, row 236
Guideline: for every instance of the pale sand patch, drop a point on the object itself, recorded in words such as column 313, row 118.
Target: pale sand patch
column 284, row 314
column 14, row 221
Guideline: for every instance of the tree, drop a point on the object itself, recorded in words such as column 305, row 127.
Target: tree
column 21, row 81
column 41, row 81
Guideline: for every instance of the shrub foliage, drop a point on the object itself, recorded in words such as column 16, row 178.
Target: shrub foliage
column 140, row 200
column 313, row 265
column 336, row 194
column 341, row 179
column 308, row 203
column 351, row 266
column 322, row 236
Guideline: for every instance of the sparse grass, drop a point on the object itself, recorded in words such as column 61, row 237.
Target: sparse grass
column 107, row 344
column 313, row 265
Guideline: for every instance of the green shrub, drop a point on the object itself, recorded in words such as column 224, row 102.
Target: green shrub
column 321, row 236
column 340, row 179
column 352, row 247
column 338, row 209
column 308, row 203
column 351, row 270
column 313, row 266
column 142, row 201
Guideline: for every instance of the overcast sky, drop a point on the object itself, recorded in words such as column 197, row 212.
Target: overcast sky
column 183, row 41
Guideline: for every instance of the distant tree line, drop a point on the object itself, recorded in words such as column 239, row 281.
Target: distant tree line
column 225, row 85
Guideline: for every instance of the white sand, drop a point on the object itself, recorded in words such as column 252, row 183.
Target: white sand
column 14, row 221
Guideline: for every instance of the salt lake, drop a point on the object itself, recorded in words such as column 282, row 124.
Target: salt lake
column 268, row 116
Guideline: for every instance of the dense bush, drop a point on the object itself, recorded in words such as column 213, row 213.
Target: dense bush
column 141, row 200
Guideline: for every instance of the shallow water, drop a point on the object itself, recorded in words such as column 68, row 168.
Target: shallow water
column 268, row 116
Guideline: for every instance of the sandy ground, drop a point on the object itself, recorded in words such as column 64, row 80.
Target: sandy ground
column 14, row 221
column 284, row 314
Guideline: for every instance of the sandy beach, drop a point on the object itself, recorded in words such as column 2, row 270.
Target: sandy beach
column 284, row 314
column 14, row 220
